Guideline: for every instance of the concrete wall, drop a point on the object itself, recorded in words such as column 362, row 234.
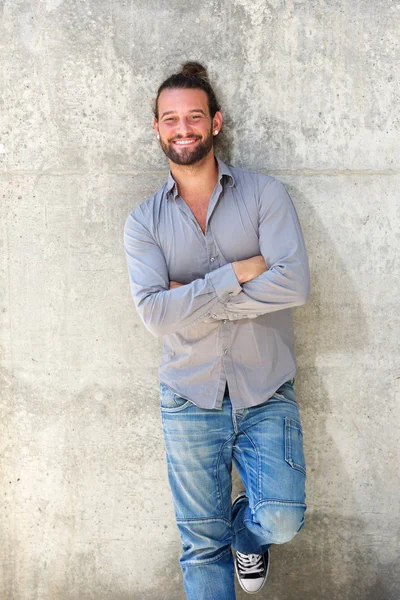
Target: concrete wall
column 310, row 95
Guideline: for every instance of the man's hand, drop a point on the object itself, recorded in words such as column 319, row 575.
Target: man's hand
column 249, row 268
column 174, row 284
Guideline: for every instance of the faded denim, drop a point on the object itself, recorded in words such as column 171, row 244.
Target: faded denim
column 266, row 444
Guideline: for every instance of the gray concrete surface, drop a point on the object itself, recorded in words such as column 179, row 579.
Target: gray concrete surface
column 310, row 92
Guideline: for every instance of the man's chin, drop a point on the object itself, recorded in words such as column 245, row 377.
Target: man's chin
column 185, row 160
column 187, row 157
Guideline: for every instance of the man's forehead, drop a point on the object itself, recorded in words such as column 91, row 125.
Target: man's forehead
column 176, row 99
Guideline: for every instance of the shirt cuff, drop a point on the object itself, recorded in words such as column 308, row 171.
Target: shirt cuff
column 224, row 282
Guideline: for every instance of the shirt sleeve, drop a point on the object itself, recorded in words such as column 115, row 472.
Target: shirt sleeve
column 286, row 283
column 163, row 310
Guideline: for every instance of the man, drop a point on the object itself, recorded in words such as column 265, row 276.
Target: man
column 216, row 260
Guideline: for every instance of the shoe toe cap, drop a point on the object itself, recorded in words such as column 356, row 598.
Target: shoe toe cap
column 253, row 585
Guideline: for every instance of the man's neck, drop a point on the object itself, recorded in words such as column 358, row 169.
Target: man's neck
column 196, row 180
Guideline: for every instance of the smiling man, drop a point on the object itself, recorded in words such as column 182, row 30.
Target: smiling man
column 216, row 261
column 194, row 146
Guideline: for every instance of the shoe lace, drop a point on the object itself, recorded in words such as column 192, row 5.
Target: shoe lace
column 249, row 563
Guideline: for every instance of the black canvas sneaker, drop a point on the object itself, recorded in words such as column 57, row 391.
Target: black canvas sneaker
column 251, row 569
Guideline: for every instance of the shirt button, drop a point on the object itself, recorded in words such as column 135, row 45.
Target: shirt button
column 225, row 351
column 212, row 258
column 214, row 316
column 225, row 321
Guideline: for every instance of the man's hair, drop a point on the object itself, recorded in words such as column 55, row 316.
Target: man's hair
column 192, row 75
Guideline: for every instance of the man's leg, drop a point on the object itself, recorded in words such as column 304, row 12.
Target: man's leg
column 198, row 445
column 268, row 453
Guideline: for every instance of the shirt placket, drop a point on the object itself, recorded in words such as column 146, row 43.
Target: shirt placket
column 214, row 263
column 214, row 260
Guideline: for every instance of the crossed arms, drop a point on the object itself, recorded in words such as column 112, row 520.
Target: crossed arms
column 243, row 289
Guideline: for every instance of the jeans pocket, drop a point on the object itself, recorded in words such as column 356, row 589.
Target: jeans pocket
column 294, row 451
column 170, row 401
column 286, row 392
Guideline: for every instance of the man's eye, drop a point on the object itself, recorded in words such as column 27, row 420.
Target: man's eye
column 196, row 117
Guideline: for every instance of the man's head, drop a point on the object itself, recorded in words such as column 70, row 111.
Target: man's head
column 187, row 115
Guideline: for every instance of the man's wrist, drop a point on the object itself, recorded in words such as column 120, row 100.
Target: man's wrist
column 239, row 271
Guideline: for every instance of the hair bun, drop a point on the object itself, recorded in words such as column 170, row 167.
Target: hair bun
column 194, row 69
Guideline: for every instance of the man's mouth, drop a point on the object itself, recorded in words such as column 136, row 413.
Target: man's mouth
column 185, row 142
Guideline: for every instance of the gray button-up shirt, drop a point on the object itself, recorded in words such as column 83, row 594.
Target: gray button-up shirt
column 215, row 330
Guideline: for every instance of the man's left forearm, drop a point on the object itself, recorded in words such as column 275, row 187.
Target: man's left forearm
column 270, row 291
column 267, row 293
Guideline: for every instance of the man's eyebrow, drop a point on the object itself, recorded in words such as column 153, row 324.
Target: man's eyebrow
column 168, row 112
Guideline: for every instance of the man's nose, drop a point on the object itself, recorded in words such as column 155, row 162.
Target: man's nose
column 184, row 128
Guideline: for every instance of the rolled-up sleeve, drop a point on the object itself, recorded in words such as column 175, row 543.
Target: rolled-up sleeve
column 162, row 310
column 286, row 283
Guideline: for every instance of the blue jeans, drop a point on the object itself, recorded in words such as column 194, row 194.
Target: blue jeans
column 266, row 445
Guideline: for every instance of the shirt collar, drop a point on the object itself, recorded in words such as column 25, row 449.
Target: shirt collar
column 223, row 169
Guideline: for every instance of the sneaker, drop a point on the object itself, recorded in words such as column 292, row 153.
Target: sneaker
column 240, row 495
column 251, row 569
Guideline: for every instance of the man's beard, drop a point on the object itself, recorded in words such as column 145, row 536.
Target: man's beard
column 187, row 156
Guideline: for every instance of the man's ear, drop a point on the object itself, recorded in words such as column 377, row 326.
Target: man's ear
column 217, row 121
column 155, row 125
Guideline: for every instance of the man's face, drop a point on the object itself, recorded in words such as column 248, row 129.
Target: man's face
column 184, row 125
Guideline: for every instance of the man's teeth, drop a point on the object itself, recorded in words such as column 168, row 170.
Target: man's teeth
column 183, row 142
